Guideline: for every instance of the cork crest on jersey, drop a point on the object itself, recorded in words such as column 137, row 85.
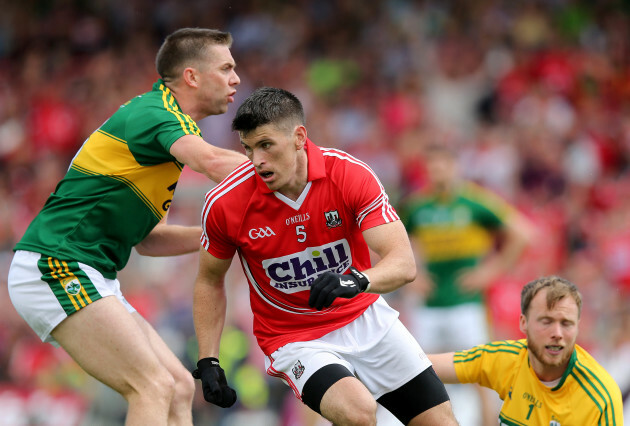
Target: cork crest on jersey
column 296, row 272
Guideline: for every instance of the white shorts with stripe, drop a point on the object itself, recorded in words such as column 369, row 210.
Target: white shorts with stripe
column 45, row 290
column 376, row 348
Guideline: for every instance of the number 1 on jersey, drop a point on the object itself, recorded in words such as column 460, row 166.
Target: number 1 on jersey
column 529, row 413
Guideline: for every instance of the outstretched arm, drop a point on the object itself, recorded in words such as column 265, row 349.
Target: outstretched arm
column 444, row 367
column 214, row 162
column 170, row 240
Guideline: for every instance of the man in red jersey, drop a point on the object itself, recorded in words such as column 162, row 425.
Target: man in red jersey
column 302, row 219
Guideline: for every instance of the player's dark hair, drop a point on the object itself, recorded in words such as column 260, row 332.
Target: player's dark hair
column 268, row 105
column 186, row 46
column 557, row 288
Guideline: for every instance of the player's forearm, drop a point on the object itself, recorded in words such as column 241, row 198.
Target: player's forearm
column 202, row 157
column 391, row 273
column 218, row 164
column 170, row 240
column 444, row 366
column 209, row 308
column 397, row 265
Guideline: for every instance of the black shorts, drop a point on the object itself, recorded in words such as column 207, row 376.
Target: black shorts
column 421, row 393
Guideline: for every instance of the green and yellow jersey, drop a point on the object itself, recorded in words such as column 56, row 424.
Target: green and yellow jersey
column 118, row 187
column 455, row 232
column 585, row 395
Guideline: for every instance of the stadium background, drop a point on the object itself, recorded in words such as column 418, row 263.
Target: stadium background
column 535, row 96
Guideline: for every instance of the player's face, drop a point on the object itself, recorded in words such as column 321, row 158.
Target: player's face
column 279, row 157
column 217, row 81
column 441, row 170
column 551, row 334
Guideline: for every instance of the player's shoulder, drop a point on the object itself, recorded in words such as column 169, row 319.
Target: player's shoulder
column 146, row 109
column 499, row 348
column 586, row 363
column 148, row 99
column 341, row 164
column 509, row 347
column 483, row 197
column 236, row 189
column 476, row 192
column 595, row 381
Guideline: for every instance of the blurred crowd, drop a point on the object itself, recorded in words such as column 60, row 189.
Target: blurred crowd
column 533, row 95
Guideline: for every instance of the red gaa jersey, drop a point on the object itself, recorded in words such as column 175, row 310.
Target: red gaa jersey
column 284, row 244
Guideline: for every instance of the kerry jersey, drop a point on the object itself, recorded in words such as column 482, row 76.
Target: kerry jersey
column 284, row 245
column 454, row 233
column 118, row 187
column 585, row 395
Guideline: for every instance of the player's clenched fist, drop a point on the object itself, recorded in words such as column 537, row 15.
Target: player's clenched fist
column 329, row 286
column 213, row 383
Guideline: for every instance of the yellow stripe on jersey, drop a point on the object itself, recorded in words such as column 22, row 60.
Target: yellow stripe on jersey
column 184, row 119
column 106, row 155
column 449, row 242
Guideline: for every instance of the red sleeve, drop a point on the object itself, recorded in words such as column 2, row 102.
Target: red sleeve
column 364, row 194
column 214, row 237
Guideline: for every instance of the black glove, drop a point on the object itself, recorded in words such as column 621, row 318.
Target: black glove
column 213, row 383
column 329, row 286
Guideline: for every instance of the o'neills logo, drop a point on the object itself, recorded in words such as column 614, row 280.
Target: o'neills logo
column 296, row 272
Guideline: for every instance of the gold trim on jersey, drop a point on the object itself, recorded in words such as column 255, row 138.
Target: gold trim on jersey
column 184, row 119
column 453, row 242
column 107, row 155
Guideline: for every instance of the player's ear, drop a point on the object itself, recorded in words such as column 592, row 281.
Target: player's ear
column 190, row 77
column 522, row 324
column 300, row 136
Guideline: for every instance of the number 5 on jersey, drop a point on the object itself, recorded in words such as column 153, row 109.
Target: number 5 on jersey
column 301, row 233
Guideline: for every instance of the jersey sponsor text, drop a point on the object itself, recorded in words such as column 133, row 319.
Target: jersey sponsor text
column 296, row 272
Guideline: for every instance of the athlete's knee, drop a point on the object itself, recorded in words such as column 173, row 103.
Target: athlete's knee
column 364, row 414
column 359, row 414
column 441, row 414
column 157, row 386
column 162, row 385
column 184, row 386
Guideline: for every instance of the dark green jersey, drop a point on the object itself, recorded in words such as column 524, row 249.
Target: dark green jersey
column 454, row 233
column 118, row 187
